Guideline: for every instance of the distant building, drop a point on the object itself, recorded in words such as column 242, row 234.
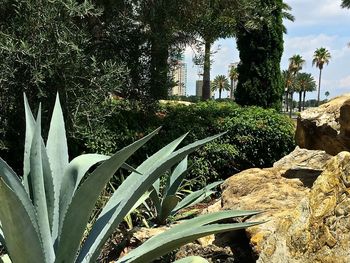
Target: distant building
column 233, row 82
column 179, row 75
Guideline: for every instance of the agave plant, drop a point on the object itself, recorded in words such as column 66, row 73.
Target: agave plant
column 167, row 202
column 44, row 217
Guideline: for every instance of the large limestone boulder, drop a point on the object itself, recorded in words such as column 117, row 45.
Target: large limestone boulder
column 304, row 222
column 326, row 127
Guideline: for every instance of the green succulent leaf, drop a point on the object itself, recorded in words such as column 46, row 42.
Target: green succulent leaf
column 12, row 180
column 125, row 199
column 168, row 204
column 39, row 196
column 193, row 259
column 176, row 178
column 85, row 198
column 74, row 173
column 185, row 232
column 196, row 197
column 30, row 127
column 57, row 151
column 18, row 229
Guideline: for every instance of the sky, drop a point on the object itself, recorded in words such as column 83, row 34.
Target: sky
column 318, row 23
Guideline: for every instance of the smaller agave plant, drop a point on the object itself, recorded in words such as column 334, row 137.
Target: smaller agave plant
column 167, row 202
column 44, row 216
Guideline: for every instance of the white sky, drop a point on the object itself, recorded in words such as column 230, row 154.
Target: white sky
column 321, row 23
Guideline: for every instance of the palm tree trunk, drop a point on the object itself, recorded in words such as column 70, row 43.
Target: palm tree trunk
column 206, row 71
column 319, row 88
column 220, row 90
column 286, row 99
column 231, row 90
column 291, row 105
column 234, row 89
column 300, row 99
column 304, row 99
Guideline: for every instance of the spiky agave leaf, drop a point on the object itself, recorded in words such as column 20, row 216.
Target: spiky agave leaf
column 184, row 233
column 39, row 193
column 84, row 200
column 57, row 151
column 195, row 197
column 125, row 199
column 18, row 228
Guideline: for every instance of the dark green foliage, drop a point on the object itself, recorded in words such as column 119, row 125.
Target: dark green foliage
column 261, row 48
column 45, row 48
column 255, row 137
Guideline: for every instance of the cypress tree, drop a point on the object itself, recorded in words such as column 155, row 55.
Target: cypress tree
column 261, row 48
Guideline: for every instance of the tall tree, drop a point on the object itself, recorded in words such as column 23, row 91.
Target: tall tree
column 233, row 74
column 166, row 25
column 345, row 4
column 296, row 63
column 260, row 42
column 220, row 83
column 321, row 57
column 45, row 48
column 215, row 20
column 288, row 83
column 305, row 83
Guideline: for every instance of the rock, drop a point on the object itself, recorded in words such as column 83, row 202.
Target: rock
column 282, row 193
column 211, row 252
column 326, row 127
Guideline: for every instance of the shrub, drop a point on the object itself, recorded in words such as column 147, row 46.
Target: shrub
column 255, row 137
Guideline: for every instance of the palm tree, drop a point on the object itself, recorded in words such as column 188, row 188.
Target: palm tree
column 233, row 77
column 296, row 63
column 305, row 83
column 326, row 94
column 220, row 83
column 345, row 4
column 321, row 56
column 287, row 79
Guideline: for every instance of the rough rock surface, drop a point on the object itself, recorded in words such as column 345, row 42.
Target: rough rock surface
column 305, row 222
column 326, row 127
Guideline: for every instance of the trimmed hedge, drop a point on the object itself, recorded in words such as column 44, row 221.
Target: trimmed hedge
column 255, row 137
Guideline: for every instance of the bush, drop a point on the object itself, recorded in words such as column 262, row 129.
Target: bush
column 255, row 137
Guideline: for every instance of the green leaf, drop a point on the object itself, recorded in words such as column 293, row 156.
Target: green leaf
column 193, row 259
column 12, row 180
column 85, row 198
column 22, row 241
column 39, row 196
column 57, row 151
column 177, row 177
column 30, row 127
column 196, row 197
column 74, row 173
column 184, row 233
column 125, row 199
column 168, row 204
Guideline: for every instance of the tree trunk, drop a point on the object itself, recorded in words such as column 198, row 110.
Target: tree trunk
column 231, row 89
column 304, row 99
column 291, row 105
column 286, row 100
column 220, row 90
column 300, row 99
column 206, row 71
column 319, row 88
column 234, row 89
column 159, row 62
